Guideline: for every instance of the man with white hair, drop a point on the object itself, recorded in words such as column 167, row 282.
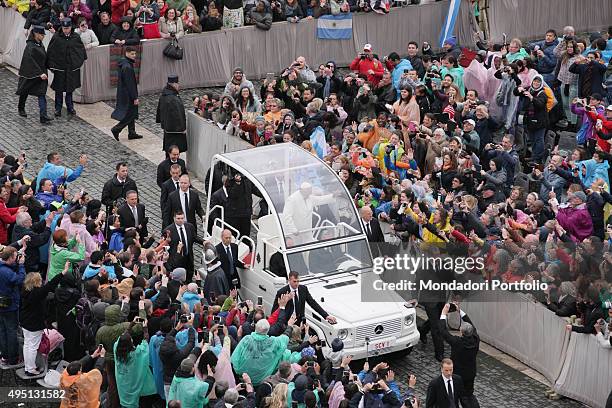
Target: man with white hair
column 215, row 282
column 464, row 349
column 259, row 354
column 298, row 211
column 38, row 235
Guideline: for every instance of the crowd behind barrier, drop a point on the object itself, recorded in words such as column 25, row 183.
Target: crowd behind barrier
column 575, row 364
column 205, row 140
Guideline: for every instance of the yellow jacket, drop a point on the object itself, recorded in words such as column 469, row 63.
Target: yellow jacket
column 429, row 236
column 22, row 5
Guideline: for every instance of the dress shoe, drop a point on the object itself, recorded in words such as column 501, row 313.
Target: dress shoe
column 72, row 112
column 440, row 357
column 134, row 136
column 23, row 113
column 115, row 134
column 45, row 119
column 58, row 114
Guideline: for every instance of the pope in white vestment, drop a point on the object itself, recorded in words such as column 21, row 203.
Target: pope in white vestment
column 298, row 210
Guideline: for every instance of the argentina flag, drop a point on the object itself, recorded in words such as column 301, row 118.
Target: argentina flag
column 317, row 138
column 449, row 22
column 338, row 27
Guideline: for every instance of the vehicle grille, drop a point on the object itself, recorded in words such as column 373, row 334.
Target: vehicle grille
column 390, row 328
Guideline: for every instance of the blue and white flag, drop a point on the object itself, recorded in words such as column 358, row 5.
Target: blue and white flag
column 317, row 138
column 338, row 27
column 449, row 23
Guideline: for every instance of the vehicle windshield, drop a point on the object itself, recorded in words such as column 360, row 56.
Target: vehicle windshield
column 311, row 201
column 349, row 257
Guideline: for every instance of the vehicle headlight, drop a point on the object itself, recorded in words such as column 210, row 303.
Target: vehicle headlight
column 342, row 334
column 409, row 320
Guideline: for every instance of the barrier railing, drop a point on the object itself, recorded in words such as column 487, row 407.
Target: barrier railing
column 204, row 140
column 573, row 362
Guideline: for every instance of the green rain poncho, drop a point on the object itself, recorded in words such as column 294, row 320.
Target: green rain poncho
column 190, row 391
column 258, row 355
column 521, row 54
column 134, row 377
column 457, row 74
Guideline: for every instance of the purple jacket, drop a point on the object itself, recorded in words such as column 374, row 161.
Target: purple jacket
column 576, row 221
column 587, row 129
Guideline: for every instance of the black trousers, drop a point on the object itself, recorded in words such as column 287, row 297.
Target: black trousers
column 434, row 310
column 242, row 224
column 129, row 120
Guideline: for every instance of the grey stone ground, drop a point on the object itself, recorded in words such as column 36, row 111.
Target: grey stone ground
column 497, row 384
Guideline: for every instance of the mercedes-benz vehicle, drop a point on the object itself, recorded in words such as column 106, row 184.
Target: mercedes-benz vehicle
column 312, row 227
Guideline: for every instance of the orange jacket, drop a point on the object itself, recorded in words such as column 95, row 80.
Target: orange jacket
column 82, row 389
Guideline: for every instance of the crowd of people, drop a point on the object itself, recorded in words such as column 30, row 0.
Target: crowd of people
column 101, row 22
column 452, row 148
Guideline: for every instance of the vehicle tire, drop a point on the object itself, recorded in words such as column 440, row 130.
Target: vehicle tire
column 404, row 353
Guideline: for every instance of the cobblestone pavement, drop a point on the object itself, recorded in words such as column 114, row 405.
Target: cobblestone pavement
column 497, row 384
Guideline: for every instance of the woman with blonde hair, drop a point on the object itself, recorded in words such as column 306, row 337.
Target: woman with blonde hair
column 191, row 20
column 278, row 399
column 307, row 145
column 32, row 313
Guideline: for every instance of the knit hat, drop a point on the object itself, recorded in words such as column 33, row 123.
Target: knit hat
column 192, row 287
column 580, row 195
column 188, row 363
column 594, row 36
column 489, row 186
column 452, row 41
column 301, row 386
column 237, row 69
column 597, row 96
column 179, row 274
column 337, row 344
column 308, row 352
column 66, row 22
column 260, row 119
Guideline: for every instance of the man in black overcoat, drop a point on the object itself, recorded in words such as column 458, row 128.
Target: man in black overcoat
column 33, row 74
column 65, row 57
column 171, row 116
column 126, row 107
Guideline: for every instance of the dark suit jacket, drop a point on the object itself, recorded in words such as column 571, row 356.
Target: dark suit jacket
column 225, row 265
column 377, row 234
column 181, row 260
column 565, row 308
column 127, row 219
column 217, row 198
column 163, row 170
column 174, row 204
column 437, row 395
column 463, row 351
column 167, row 188
column 303, row 298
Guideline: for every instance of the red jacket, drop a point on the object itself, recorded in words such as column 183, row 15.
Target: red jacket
column 362, row 66
column 7, row 217
column 118, row 10
column 607, row 128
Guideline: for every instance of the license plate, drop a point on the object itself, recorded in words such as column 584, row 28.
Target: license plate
column 380, row 346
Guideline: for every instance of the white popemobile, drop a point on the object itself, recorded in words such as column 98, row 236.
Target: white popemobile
column 312, row 227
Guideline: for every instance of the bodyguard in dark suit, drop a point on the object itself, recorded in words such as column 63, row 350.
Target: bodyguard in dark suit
column 228, row 256
column 163, row 168
column 118, row 186
column 301, row 296
column 181, row 232
column 168, row 187
column 219, row 197
column 133, row 215
column 184, row 199
column 445, row 390
column 371, row 225
column 464, row 349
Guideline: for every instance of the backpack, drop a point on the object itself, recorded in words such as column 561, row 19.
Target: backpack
column 85, row 321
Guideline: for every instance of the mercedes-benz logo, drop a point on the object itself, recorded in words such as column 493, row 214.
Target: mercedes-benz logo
column 379, row 329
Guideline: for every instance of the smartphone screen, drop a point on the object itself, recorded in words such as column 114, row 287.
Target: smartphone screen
column 259, row 300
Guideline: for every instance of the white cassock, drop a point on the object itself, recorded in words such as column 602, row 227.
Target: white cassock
column 297, row 215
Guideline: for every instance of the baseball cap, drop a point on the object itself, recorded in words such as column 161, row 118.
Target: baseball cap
column 367, row 47
column 470, row 121
column 609, row 108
